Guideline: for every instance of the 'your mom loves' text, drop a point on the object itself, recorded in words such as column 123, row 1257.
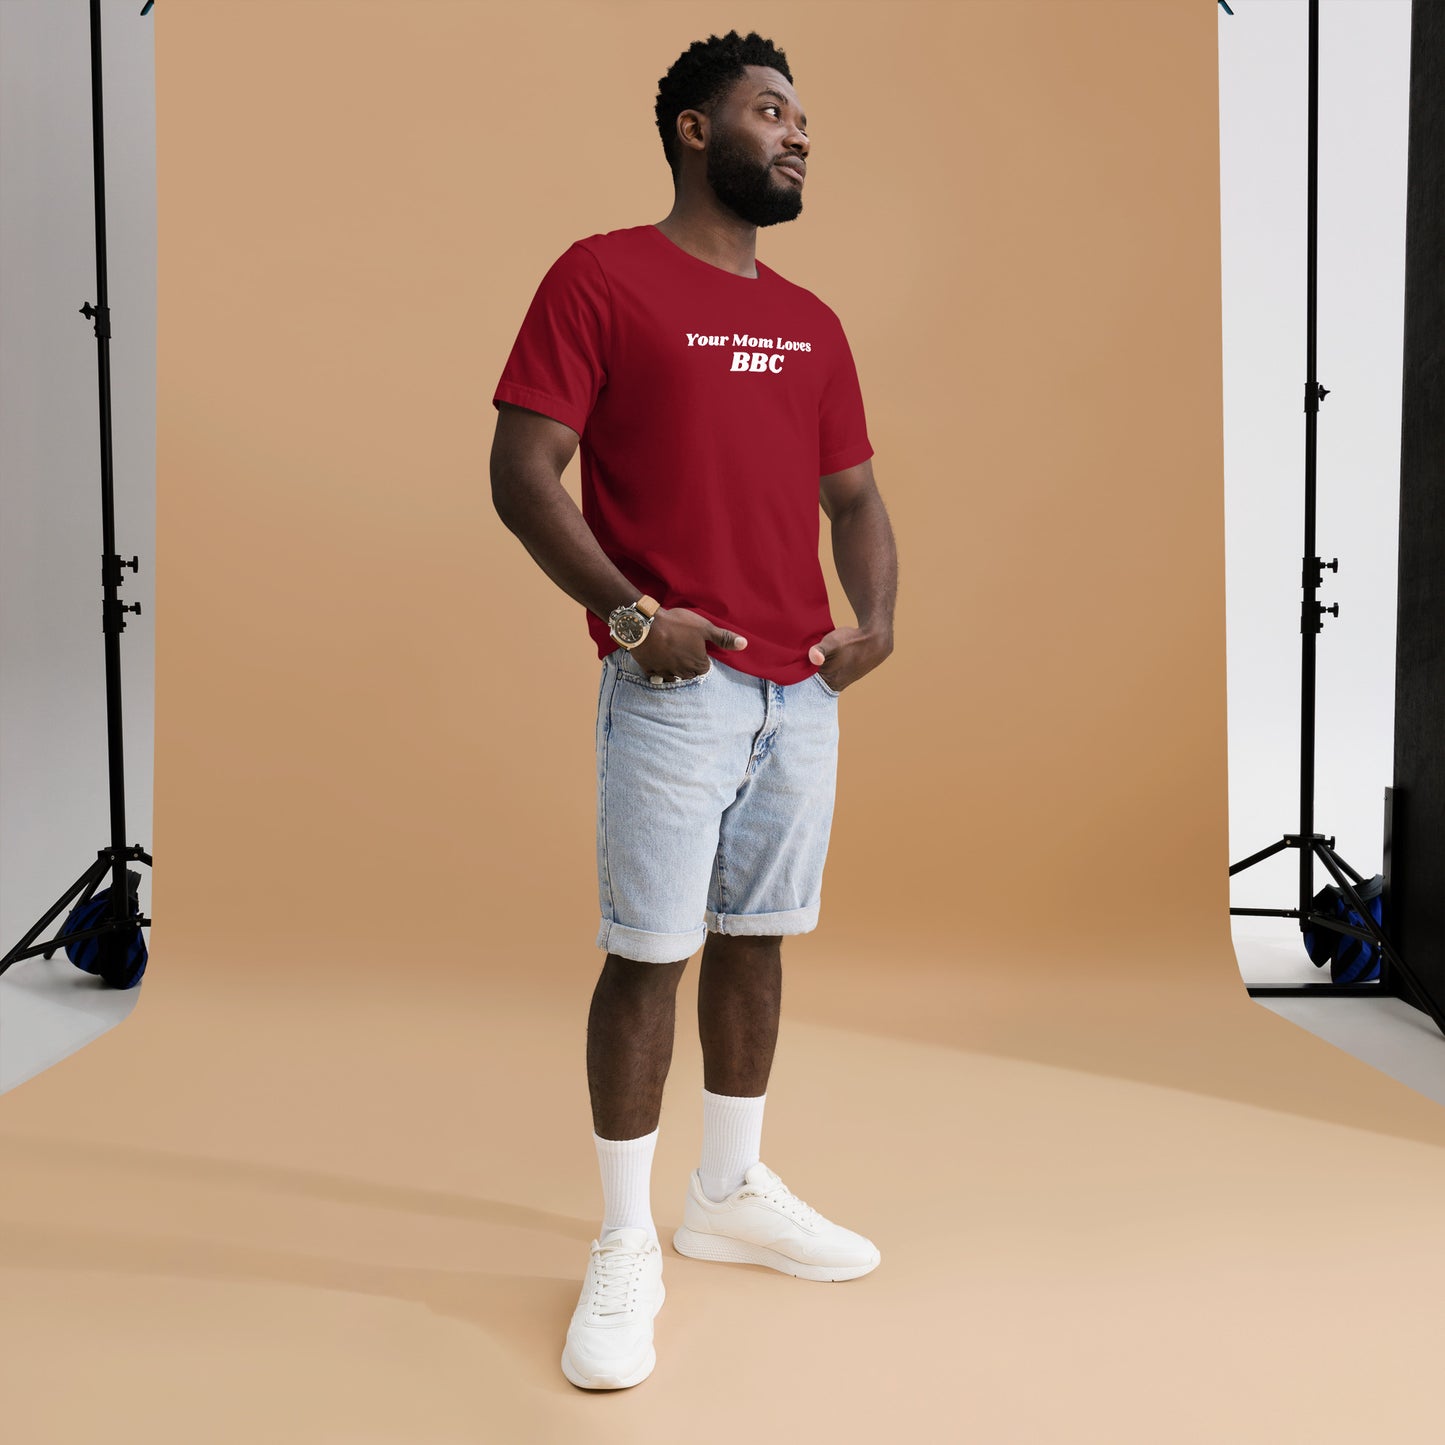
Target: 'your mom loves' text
column 752, row 353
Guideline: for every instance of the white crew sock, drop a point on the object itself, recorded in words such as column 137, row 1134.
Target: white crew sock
column 732, row 1131
column 626, row 1166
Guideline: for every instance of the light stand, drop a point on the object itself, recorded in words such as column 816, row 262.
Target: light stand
column 1310, row 843
column 115, row 934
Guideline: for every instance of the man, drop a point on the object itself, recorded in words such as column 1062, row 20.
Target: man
column 717, row 406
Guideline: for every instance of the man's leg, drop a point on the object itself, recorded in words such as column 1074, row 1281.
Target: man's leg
column 767, row 874
column 629, row 1044
column 629, row 1052
column 739, row 997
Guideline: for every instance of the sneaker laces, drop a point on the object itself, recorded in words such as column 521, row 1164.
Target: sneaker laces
column 615, row 1272
column 778, row 1193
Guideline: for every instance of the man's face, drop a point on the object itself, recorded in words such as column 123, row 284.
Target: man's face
column 757, row 126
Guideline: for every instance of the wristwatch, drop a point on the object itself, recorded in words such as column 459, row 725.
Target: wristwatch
column 630, row 623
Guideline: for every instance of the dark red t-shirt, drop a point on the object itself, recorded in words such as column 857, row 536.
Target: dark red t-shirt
column 708, row 406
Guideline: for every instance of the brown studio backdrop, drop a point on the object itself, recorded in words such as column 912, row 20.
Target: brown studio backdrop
column 375, row 707
column 375, row 714
column 346, row 1129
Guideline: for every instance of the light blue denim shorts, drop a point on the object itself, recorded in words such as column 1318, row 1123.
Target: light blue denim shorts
column 714, row 806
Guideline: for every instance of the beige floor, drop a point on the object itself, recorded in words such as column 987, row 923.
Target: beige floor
column 290, row 1205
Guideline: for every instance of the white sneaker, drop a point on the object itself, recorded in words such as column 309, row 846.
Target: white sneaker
column 609, row 1341
column 763, row 1222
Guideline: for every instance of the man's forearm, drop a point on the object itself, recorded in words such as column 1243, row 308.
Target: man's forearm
column 550, row 525
column 867, row 562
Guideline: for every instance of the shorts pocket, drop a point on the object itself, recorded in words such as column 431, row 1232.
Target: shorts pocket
column 629, row 667
column 831, row 692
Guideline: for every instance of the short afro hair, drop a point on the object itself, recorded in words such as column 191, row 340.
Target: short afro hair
column 703, row 74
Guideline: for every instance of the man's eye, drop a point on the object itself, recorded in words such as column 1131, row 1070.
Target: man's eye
column 779, row 110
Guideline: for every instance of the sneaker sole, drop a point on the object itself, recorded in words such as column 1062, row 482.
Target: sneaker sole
column 614, row 1382
column 725, row 1249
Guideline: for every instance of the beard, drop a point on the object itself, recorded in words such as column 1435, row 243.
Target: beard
column 750, row 188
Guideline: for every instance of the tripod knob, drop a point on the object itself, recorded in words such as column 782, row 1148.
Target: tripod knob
column 1333, row 607
column 1333, row 565
column 133, row 564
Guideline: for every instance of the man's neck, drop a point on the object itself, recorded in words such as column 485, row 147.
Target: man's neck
column 713, row 236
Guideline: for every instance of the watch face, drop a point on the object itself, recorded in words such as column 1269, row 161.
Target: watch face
column 629, row 627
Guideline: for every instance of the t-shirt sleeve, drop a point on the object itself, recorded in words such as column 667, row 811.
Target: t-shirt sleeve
column 558, row 363
column 842, row 426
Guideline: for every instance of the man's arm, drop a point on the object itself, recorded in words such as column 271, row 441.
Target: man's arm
column 863, row 551
column 529, row 454
column 530, row 451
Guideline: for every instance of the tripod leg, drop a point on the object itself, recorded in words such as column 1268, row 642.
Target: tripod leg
column 1257, row 857
column 97, row 877
column 1327, row 857
column 1358, row 877
column 88, row 881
